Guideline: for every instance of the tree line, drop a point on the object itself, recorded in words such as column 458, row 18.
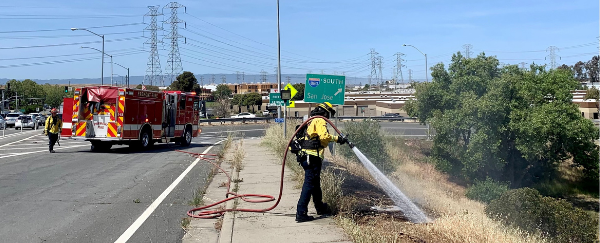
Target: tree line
column 506, row 123
column 32, row 95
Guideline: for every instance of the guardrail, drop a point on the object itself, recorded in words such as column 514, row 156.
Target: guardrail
column 271, row 119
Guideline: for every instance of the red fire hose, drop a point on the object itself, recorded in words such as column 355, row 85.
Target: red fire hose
column 202, row 212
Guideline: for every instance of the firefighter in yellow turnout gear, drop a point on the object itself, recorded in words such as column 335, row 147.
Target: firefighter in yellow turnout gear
column 311, row 143
column 52, row 128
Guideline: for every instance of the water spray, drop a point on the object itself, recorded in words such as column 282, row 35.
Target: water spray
column 410, row 210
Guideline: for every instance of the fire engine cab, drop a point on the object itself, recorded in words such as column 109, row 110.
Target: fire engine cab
column 107, row 115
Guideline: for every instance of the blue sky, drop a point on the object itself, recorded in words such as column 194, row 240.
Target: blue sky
column 333, row 36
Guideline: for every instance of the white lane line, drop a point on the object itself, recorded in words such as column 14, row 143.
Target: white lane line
column 13, row 135
column 40, row 151
column 140, row 220
column 17, row 141
column 24, row 148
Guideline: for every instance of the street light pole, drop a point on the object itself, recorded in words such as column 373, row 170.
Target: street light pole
column 278, row 62
column 426, row 74
column 126, row 78
column 102, row 67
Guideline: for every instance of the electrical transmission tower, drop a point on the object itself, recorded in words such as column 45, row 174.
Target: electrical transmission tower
column 223, row 79
column 468, row 48
column 399, row 66
column 288, row 79
column 153, row 72
column 552, row 56
column 212, row 79
column 410, row 75
column 523, row 65
column 174, row 67
column 263, row 76
column 237, row 77
column 380, row 66
column 373, row 67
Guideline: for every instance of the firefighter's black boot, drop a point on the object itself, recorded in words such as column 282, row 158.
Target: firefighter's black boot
column 324, row 209
column 304, row 218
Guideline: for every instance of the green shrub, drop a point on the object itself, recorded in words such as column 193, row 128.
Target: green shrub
column 557, row 219
column 486, row 191
column 367, row 137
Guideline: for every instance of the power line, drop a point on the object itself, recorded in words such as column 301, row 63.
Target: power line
column 64, row 36
column 46, row 30
column 69, row 44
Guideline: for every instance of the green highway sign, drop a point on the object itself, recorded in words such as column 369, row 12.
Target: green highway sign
column 321, row 88
column 275, row 99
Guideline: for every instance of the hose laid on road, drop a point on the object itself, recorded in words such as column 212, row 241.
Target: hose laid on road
column 202, row 212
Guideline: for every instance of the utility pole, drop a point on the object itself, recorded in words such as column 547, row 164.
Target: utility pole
column 552, row 56
column 202, row 86
column 153, row 72
column 373, row 76
column 468, row 48
column 174, row 67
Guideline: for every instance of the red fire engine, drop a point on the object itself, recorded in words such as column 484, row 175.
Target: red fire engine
column 107, row 115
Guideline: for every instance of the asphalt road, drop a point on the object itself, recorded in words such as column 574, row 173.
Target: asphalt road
column 75, row 195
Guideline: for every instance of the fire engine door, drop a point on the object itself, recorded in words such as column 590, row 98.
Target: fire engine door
column 170, row 112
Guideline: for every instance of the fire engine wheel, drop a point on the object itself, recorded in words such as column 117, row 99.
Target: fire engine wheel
column 187, row 138
column 145, row 140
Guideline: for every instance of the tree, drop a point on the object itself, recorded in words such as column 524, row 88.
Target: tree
column 508, row 124
column 300, row 94
column 185, row 82
column 580, row 72
column 367, row 86
column 148, row 87
column 222, row 91
column 252, row 99
column 592, row 93
column 591, row 68
column 238, row 99
column 222, row 107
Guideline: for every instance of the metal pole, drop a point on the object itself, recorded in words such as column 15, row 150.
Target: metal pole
column 111, row 71
column 127, row 79
column 279, row 72
column 426, row 76
column 102, row 72
column 17, row 100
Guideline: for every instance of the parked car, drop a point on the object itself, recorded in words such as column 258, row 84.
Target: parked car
column 392, row 115
column 11, row 119
column 244, row 115
column 265, row 113
column 2, row 123
column 26, row 121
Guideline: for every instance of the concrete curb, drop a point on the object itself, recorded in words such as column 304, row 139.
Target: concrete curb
column 226, row 233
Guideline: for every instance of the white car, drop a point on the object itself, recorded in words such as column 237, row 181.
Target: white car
column 11, row 118
column 26, row 121
column 244, row 115
column 266, row 113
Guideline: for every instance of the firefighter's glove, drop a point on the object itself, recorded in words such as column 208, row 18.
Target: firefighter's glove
column 342, row 139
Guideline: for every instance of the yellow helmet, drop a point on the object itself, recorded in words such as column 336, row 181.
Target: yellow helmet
column 327, row 107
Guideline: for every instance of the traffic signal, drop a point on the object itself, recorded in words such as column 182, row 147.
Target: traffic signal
column 66, row 89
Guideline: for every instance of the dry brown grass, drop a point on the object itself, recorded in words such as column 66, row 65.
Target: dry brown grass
column 455, row 217
column 238, row 156
column 275, row 141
